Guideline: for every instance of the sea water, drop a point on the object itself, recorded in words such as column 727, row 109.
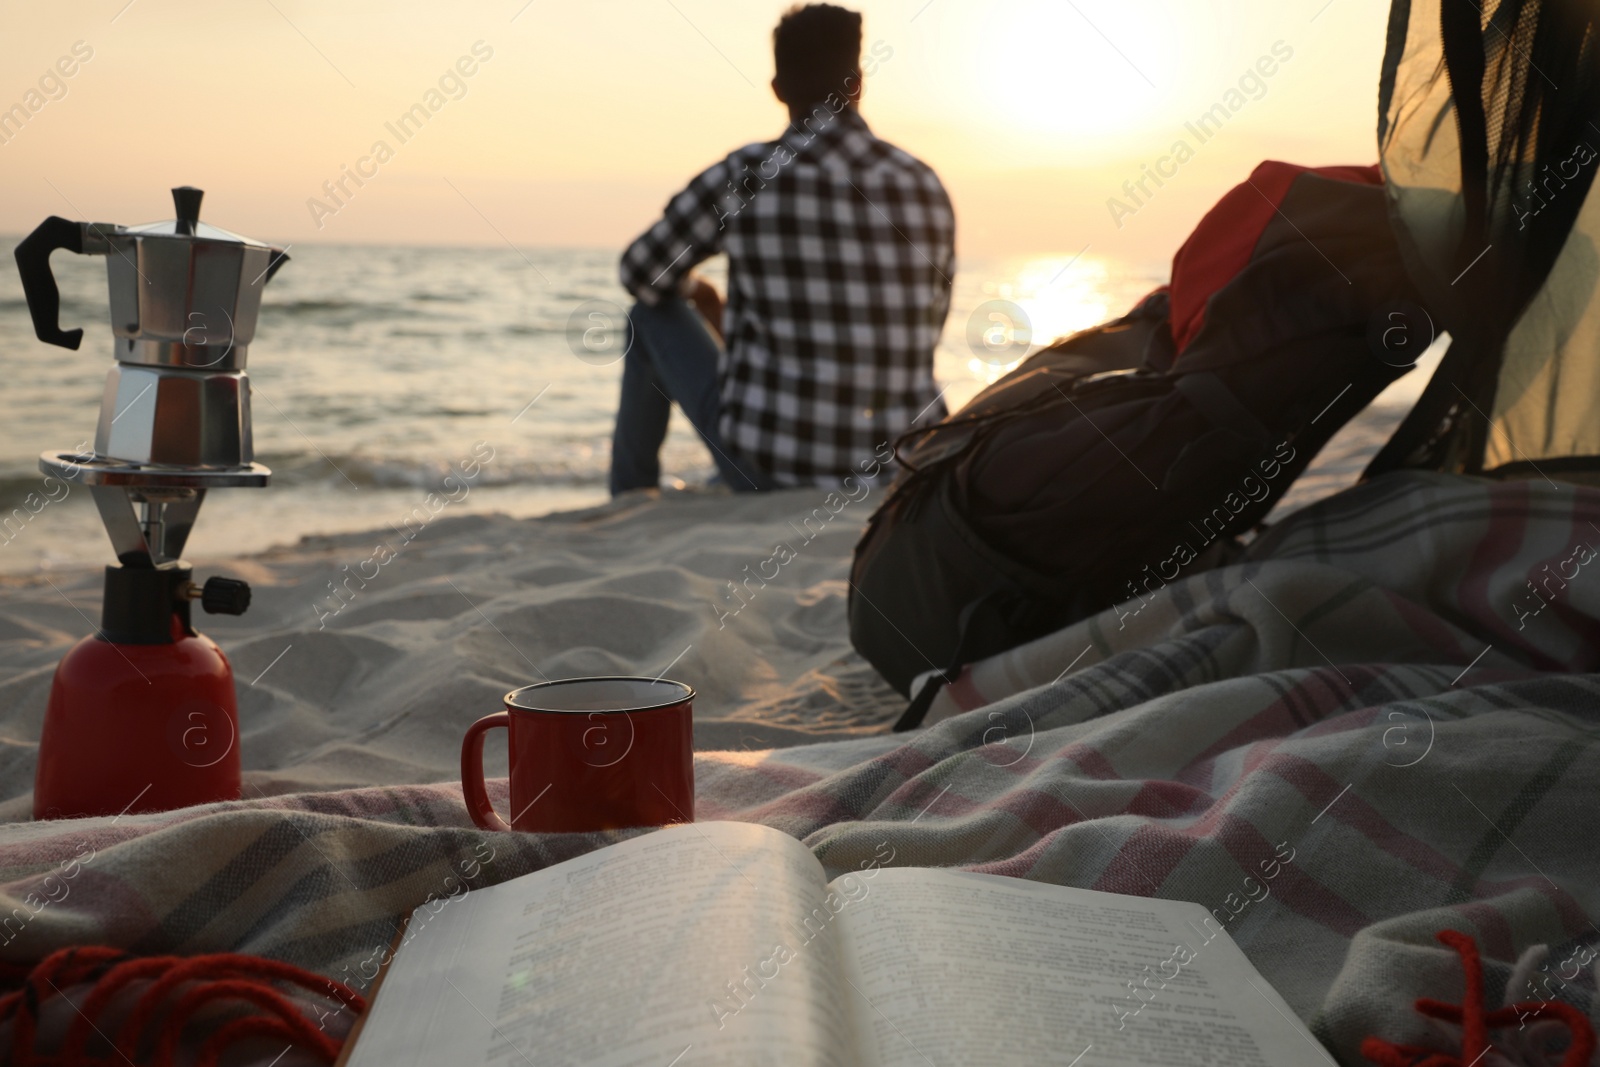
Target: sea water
column 379, row 372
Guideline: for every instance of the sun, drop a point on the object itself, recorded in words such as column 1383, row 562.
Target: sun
column 1084, row 69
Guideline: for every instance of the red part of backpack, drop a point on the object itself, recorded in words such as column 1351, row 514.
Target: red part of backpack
column 1226, row 238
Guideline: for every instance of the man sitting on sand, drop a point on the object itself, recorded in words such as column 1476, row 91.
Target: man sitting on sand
column 840, row 250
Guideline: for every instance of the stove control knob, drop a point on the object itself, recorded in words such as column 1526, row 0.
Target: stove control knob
column 225, row 596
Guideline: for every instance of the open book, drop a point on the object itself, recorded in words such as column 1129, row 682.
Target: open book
column 721, row 943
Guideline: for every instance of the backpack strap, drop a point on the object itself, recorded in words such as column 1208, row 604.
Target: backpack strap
column 1213, row 399
column 917, row 710
column 922, row 700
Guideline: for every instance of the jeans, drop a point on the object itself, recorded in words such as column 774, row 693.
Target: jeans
column 671, row 357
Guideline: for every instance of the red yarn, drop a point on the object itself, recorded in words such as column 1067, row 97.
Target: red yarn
column 1476, row 1021
column 180, row 987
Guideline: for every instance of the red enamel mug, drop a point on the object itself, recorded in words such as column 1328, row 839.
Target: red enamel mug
column 589, row 754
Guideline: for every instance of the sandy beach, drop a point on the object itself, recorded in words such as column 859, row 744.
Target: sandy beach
column 380, row 692
column 374, row 684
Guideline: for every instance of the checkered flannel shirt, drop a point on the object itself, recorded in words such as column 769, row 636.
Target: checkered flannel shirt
column 840, row 250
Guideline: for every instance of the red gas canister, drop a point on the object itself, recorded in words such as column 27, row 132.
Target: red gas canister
column 140, row 719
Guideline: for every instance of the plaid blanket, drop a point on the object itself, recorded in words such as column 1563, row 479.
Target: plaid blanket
column 1388, row 697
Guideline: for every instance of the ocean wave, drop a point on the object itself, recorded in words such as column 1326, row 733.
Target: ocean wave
column 399, row 473
column 69, row 306
column 450, row 314
column 315, row 307
column 16, row 485
column 447, row 324
column 294, row 470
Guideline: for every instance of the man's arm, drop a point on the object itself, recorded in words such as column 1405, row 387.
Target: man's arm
column 706, row 300
column 689, row 231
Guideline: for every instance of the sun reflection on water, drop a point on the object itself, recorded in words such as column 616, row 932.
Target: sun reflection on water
column 1002, row 312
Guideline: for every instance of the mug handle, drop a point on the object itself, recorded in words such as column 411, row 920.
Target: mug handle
column 473, row 791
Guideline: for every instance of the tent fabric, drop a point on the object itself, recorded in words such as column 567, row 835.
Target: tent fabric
column 1489, row 138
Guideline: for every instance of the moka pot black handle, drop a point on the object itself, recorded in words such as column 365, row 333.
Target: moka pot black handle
column 39, row 284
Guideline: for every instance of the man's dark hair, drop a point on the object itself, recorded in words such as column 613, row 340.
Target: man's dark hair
column 817, row 48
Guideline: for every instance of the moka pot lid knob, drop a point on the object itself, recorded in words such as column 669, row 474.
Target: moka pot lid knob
column 186, row 202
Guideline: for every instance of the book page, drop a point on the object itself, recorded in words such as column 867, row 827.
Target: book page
column 696, row 944
column 952, row 967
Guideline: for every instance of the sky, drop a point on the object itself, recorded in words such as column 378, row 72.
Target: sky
column 571, row 124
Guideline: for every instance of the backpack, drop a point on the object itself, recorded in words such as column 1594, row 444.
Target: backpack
column 1128, row 455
